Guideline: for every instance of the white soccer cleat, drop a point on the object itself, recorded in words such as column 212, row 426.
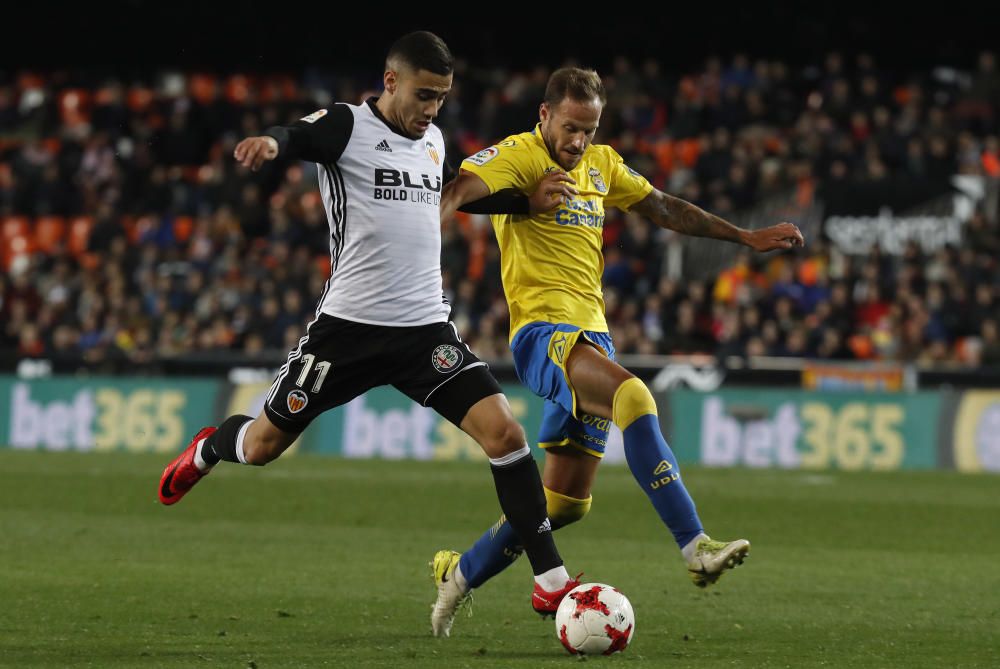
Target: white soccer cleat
column 450, row 595
column 712, row 558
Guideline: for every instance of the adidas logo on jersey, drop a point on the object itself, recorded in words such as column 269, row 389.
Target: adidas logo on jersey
column 546, row 526
column 383, row 146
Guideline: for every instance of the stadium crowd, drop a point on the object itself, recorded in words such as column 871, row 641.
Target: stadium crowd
column 128, row 232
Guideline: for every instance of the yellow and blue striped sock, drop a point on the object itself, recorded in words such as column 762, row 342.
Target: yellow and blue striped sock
column 653, row 464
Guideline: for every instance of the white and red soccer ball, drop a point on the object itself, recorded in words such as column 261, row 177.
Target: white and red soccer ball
column 595, row 619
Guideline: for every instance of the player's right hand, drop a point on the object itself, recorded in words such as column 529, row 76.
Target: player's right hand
column 780, row 236
column 552, row 191
column 252, row 152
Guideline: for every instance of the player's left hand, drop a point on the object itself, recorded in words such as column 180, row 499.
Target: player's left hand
column 780, row 236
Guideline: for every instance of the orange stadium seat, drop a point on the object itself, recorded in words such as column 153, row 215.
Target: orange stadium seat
column 15, row 239
column 238, row 88
column 131, row 230
column 79, row 234
column 183, row 227
column 14, row 246
column 991, row 164
column 50, row 231
column 202, row 87
column 14, row 226
column 665, row 152
column 74, row 106
column 139, row 98
column 688, row 151
column 29, row 80
column 53, row 145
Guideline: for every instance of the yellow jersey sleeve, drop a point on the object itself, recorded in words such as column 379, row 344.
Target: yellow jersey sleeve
column 509, row 164
column 627, row 187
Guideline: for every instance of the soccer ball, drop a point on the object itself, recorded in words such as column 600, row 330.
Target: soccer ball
column 594, row 619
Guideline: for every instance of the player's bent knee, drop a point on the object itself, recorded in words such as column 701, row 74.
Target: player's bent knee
column 264, row 441
column 507, row 438
column 632, row 400
column 564, row 510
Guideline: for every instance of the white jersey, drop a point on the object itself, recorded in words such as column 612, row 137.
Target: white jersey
column 382, row 193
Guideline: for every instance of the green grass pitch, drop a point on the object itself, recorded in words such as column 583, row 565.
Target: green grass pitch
column 315, row 562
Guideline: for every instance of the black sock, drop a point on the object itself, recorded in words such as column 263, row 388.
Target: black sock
column 519, row 488
column 221, row 444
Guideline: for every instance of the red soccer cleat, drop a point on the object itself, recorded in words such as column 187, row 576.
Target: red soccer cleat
column 181, row 474
column 545, row 603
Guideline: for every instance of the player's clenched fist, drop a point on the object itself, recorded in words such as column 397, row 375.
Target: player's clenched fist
column 253, row 151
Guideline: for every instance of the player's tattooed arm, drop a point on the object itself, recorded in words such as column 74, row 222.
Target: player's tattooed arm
column 681, row 216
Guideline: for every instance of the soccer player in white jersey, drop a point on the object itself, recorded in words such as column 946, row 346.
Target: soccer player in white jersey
column 382, row 318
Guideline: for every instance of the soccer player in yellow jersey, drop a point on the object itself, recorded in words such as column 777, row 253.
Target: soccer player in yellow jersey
column 551, row 265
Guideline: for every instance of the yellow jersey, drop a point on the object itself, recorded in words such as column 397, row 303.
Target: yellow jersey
column 552, row 263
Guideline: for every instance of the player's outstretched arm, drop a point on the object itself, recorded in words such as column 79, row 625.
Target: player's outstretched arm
column 320, row 138
column 461, row 190
column 681, row 216
column 470, row 194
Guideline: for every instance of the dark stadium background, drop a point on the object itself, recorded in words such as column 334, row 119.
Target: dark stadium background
column 871, row 509
column 263, row 35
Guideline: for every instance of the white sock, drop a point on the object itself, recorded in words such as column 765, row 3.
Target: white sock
column 199, row 461
column 554, row 579
column 692, row 546
column 240, row 455
column 459, row 577
column 511, row 458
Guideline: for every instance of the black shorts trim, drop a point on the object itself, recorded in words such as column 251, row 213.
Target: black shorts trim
column 474, row 365
column 453, row 400
column 282, row 423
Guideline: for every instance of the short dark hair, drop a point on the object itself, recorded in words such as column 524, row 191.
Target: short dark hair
column 576, row 83
column 421, row 50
